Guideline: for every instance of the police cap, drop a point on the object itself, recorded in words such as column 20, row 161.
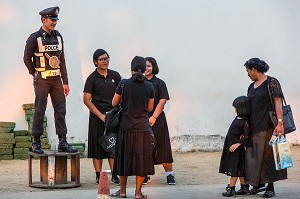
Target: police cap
column 50, row 12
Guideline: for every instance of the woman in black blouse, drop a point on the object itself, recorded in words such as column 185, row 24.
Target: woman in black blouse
column 158, row 121
column 99, row 90
column 260, row 166
column 133, row 147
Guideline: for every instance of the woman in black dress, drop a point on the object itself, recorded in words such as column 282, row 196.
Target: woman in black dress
column 133, row 147
column 158, row 121
column 99, row 90
column 260, row 166
column 233, row 157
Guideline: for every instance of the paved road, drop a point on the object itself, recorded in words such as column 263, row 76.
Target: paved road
column 283, row 190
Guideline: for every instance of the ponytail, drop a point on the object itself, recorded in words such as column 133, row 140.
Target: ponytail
column 138, row 65
column 138, row 76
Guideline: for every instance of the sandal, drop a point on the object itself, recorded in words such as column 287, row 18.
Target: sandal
column 142, row 196
column 269, row 194
column 118, row 195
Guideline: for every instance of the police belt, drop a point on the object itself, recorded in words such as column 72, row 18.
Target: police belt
column 48, row 73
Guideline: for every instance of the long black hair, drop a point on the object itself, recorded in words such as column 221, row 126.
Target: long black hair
column 258, row 64
column 138, row 65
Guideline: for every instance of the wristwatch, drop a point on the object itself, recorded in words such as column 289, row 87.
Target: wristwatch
column 280, row 120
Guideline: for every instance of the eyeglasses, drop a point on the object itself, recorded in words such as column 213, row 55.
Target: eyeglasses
column 106, row 59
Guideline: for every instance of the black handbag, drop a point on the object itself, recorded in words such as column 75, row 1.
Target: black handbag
column 112, row 117
column 288, row 119
column 108, row 142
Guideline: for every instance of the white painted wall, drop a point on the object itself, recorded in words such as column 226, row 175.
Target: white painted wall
column 200, row 46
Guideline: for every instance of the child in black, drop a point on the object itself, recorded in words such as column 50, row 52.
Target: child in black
column 233, row 157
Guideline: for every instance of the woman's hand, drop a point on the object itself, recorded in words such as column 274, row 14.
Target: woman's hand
column 234, row 147
column 279, row 130
column 102, row 117
column 152, row 120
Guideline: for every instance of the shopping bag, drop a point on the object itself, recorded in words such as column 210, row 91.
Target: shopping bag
column 108, row 142
column 282, row 153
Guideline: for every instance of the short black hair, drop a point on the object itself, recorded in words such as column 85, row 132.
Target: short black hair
column 155, row 69
column 258, row 64
column 97, row 54
column 242, row 106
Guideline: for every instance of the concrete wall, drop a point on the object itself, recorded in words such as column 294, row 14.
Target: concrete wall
column 200, row 46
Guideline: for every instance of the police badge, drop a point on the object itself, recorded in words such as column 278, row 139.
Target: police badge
column 53, row 61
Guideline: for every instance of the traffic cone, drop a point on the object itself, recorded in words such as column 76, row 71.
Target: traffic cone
column 103, row 186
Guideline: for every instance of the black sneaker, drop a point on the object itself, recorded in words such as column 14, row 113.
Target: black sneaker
column 146, row 180
column 171, row 179
column 115, row 180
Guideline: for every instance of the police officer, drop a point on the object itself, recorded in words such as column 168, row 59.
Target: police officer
column 45, row 60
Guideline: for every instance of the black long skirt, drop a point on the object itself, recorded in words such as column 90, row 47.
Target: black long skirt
column 96, row 130
column 259, row 164
column 162, row 139
column 133, row 154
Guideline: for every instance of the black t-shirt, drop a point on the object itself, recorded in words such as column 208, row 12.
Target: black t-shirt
column 160, row 89
column 260, row 104
column 136, row 95
column 102, row 89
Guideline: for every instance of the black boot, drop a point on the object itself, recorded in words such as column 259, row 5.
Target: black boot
column 36, row 146
column 243, row 190
column 64, row 146
column 230, row 191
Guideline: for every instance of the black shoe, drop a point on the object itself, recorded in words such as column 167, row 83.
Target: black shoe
column 243, row 190
column 255, row 190
column 171, row 179
column 115, row 179
column 146, row 180
column 36, row 146
column 97, row 180
column 230, row 191
column 269, row 194
column 64, row 146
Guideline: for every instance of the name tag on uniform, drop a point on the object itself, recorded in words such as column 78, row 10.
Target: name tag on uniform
column 51, row 48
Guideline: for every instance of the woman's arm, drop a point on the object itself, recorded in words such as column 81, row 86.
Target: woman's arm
column 279, row 130
column 116, row 100
column 150, row 104
column 158, row 109
column 87, row 101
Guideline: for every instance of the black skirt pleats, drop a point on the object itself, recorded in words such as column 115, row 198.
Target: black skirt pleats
column 133, row 154
column 260, row 166
column 96, row 130
column 162, row 139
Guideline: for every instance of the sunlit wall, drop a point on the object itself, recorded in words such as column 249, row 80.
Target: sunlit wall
column 200, row 46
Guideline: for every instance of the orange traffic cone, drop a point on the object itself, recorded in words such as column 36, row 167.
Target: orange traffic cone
column 103, row 186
